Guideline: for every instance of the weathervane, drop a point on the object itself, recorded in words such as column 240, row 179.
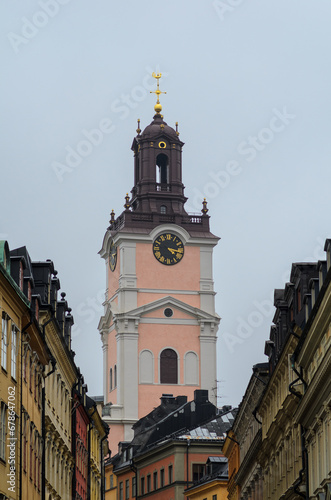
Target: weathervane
column 157, row 106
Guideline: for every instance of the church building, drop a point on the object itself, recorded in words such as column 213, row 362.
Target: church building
column 159, row 327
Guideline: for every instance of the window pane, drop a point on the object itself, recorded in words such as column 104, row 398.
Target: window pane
column 168, row 368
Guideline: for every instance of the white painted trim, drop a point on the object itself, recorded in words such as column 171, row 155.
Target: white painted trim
column 170, row 321
column 198, row 366
column 146, row 383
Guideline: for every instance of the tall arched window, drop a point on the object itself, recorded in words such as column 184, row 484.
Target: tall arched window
column 115, row 376
column 162, row 168
column 168, row 367
column 110, row 379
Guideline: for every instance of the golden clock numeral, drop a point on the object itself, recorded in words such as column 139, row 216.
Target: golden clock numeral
column 156, row 248
column 168, row 236
column 162, row 238
column 157, row 255
column 179, row 255
column 162, row 259
column 168, row 261
column 180, row 250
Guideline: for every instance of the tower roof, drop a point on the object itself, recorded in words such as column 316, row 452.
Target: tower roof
column 157, row 128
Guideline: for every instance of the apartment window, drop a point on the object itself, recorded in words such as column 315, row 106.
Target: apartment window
column 4, row 341
column 121, row 491
column 168, row 367
column 111, row 481
column 161, row 478
column 134, row 487
column 142, row 486
column 148, row 483
column 155, row 480
column 214, row 497
column 163, row 209
column 13, row 351
column 198, row 470
column 3, row 431
column 170, row 474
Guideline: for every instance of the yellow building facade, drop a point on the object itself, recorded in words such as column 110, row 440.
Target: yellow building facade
column 211, row 489
column 232, row 452
column 110, row 482
column 312, row 358
column 14, row 308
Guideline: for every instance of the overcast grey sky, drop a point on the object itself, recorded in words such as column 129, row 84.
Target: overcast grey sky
column 249, row 83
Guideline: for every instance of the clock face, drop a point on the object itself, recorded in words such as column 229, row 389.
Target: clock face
column 168, row 249
column 112, row 255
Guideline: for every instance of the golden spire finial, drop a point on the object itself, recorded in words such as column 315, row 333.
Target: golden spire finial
column 157, row 106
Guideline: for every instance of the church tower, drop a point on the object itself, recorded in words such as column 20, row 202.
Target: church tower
column 159, row 325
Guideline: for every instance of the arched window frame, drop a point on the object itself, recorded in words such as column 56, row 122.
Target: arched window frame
column 178, row 365
column 162, row 171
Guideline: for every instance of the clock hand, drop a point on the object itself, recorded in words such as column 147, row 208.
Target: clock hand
column 172, row 250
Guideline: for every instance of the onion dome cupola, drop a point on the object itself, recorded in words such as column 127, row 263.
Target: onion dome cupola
column 158, row 186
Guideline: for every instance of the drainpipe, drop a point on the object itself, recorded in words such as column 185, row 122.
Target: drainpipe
column 232, row 439
column 188, row 442
column 43, row 431
column 135, row 470
column 90, row 426
column 102, row 468
column 304, row 453
column 304, row 469
column 21, row 410
column 73, row 434
column 89, row 462
column 254, row 415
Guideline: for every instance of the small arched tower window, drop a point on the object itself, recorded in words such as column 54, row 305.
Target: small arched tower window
column 163, row 209
column 115, row 376
column 162, row 170
column 168, row 367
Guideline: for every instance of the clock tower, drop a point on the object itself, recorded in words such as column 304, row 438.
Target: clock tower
column 159, row 325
